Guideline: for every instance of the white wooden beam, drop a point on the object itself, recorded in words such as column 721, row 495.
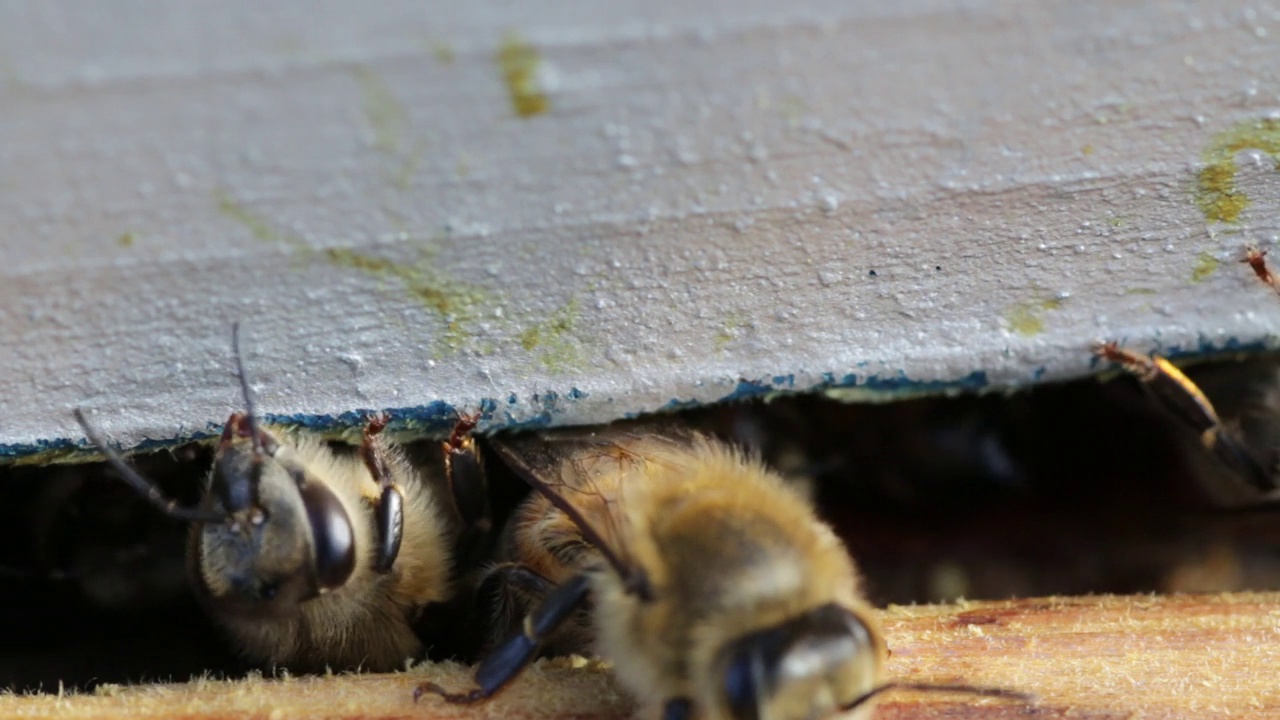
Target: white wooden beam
column 700, row 201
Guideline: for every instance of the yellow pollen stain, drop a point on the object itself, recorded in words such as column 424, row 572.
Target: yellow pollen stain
column 520, row 62
column 1216, row 192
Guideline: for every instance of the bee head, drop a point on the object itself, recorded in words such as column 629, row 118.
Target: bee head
column 268, row 534
column 285, row 538
column 809, row 667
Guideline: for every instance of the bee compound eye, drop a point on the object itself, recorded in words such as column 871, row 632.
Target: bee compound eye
column 741, row 684
column 332, row 536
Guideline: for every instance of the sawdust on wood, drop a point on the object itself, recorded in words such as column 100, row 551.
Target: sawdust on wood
column 1191, row 657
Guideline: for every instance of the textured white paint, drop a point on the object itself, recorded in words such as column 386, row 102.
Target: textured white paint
column 704, row 201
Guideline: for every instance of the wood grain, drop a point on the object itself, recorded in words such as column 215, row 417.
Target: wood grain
column 1191, row 657
column 1182, row 656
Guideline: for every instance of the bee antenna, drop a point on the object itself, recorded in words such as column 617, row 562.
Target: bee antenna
column 635, row 579
column 251, row 412
column 144, row 487
column 978, row 690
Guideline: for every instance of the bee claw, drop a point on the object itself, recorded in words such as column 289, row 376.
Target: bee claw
column 1105, row 349
column 465, row 424
column 376, row 423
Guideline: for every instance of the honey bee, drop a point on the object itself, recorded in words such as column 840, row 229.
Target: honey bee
column 1245, row 437
column 1243, row 442
column 309, row 558
column 1182, row 397
column 714, row 589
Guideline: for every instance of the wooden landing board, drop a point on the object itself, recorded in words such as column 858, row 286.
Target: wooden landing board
column 1185, row 657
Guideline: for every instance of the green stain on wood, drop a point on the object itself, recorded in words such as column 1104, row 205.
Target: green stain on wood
column 1028, row 318
column 1216, row 192
column 409, row 165
column 456, row 303
column 261, row 228
column 443, row 51
column 126, row 240
column 552, row 341
column 519, row 62
column 257, row 225
column 1205, row 265
column 392, row 128
column 792, row 108
column 729, row 331
column 387, row 117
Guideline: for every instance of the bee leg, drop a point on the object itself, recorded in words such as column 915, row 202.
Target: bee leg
column 1184, row 399
column 390, row 509
column 491, row 609
column 467, row 480
column 505, row 595
column 678, row 708
column 504, row 664
column 1236, row 456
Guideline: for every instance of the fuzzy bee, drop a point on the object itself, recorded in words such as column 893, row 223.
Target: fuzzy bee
column 309, row 558
column 707, row 581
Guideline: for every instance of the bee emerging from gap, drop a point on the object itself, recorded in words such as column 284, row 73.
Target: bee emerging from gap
column 714, row 589
column 1183, row 398
column 1247, row 442
column 308, row 558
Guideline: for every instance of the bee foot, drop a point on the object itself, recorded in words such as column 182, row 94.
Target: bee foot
column 377, row 422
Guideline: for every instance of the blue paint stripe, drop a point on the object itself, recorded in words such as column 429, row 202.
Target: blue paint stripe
column 438, row 418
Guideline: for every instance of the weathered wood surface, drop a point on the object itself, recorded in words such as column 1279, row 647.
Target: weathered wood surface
column 1190, row 657
column 1181, row 656
column 567, row 213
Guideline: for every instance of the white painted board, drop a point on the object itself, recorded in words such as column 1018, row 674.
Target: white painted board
column 707, row 200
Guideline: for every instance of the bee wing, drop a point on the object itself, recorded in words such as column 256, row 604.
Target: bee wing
column 542, row 461
column 622, row 432
column 647, row 440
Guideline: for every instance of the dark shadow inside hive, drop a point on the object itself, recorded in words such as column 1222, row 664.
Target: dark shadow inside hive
column 1072, row 488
